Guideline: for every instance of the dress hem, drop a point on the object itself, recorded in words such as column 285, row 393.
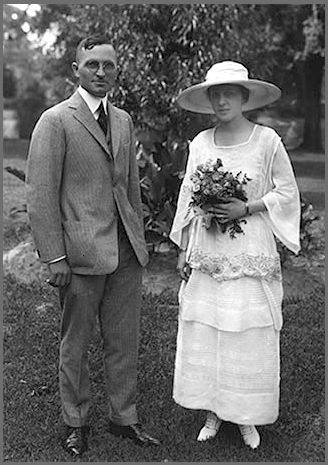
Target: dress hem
column 229, row 419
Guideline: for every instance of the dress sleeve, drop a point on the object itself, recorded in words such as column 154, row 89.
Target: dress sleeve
column 184, row 214
column 283, row 200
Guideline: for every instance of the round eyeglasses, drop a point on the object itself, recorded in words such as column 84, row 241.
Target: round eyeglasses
column 93, row 66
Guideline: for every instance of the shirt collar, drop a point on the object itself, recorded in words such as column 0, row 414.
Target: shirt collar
column 91, row 100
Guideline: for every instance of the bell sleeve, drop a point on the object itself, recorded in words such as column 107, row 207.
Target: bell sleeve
column 283, row 200
column 184, row 214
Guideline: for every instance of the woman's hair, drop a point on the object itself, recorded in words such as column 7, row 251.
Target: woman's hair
column 244, row 90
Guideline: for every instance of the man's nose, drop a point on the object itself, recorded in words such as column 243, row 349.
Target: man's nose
column 101, row 70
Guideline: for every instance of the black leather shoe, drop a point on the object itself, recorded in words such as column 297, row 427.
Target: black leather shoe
column 76, row 440
column 135, row 433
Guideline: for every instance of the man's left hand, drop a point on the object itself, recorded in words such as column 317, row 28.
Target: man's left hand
column 60, row 274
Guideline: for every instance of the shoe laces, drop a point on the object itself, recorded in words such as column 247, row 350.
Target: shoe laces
column 246, row 430
column 75, row 436
column 250, row 435
column 212, row 421
column 75, row 439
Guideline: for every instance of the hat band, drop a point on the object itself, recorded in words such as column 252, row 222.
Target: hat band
column 228, row 75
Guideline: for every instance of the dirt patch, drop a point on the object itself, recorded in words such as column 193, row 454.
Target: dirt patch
column 22, row 262
column 160, row 274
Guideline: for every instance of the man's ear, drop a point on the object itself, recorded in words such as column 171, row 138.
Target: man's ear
column 116, row 73
column 75, row 68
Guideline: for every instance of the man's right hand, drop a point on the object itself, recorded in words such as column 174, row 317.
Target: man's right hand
column 60, row 273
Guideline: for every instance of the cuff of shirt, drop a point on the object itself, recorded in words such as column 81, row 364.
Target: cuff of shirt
column 55, row 260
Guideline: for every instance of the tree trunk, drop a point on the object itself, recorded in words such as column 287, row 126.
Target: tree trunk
column 310, row 73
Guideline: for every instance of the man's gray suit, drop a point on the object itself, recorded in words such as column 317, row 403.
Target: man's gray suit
column 84, row 202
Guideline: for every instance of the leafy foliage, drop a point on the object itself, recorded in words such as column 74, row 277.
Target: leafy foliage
column 31, row 105
column 9, row 83
column 313, row 31
column 165, row 48
column 162, row 49
column 24, row 62
column 160, row 178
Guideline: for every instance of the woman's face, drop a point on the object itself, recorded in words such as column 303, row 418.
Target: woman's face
column 227, row 101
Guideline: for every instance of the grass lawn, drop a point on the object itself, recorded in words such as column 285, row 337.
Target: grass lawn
column 32, row 425
column 316, row 198
column 31, row 402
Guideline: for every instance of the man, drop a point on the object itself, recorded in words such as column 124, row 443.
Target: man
column 85, row 212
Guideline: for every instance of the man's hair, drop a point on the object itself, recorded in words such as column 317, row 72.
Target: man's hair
column 91, row 41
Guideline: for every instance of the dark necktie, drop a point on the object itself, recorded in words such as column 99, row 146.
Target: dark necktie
column 102, row 118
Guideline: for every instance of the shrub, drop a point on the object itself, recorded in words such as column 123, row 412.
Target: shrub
column 161, row 173
column 29, row 108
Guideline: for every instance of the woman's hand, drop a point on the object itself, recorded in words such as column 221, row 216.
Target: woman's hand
column 183, row 268
column 231, row 209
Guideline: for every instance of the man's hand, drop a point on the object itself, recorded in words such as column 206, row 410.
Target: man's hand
column 183, row 268
column 60, row 273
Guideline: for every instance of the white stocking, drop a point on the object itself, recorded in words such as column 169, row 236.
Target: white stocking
column 210, row 428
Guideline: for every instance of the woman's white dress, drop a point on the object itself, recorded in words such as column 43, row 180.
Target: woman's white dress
column 227, row 358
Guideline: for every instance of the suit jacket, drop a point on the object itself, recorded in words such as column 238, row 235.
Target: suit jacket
column 77, row 185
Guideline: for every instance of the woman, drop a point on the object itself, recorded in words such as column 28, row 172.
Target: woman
column 227, row 359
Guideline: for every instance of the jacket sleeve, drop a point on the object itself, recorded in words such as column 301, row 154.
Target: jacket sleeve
column 43, row 184
column 283, row 200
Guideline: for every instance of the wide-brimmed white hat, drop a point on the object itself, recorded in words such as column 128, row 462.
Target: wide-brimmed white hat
column 261, row 93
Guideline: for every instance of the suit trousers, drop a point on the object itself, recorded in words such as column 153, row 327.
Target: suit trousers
column 115, row 299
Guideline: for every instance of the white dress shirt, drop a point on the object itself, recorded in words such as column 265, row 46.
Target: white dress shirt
column 92, row 101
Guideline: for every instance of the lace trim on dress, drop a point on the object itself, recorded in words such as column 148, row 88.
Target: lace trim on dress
column 223, row 267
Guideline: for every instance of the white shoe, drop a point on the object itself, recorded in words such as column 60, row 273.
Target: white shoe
column 250, row 435
column 210, row 428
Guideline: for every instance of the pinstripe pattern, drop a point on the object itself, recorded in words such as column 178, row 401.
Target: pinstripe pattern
column 115, row 299
column 84, row 201
column 76, row 184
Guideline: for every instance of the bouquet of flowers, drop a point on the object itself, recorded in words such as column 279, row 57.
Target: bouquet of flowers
column 213, row 185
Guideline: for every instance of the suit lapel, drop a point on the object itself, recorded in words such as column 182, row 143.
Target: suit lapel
column 83, row 114
column 115, row 128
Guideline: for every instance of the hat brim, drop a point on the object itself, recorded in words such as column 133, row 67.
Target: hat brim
column 261, row 93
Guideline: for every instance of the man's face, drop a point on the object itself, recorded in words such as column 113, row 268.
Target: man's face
column 96, row 69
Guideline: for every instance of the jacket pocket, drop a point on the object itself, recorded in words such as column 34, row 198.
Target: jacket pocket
column 79, row 242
